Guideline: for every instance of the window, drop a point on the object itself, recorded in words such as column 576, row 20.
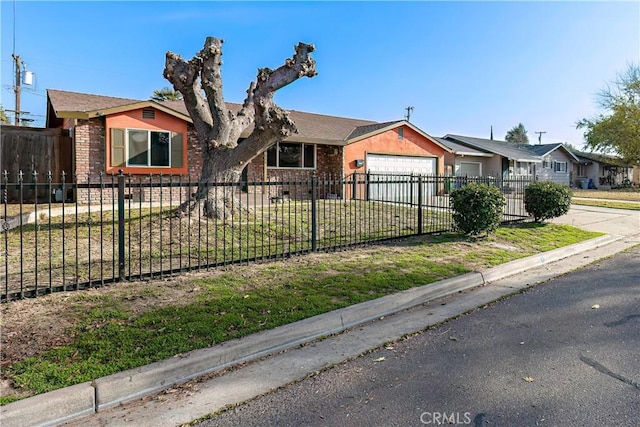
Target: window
column 470, row 169
column 560, row 166
column 291, row 155
column 400, row 133
column 522, row 168
column 546, row 164
column 582, row 170
column 146, row 148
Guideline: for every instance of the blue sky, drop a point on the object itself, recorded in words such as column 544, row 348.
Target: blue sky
column 463, row 66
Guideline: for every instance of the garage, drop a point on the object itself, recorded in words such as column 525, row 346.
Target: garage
column 390, row 177
column 384, row 163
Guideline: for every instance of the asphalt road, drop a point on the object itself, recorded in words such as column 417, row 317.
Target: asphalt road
column 564, row 353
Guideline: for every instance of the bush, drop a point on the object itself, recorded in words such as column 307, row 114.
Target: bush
column 477, row 208
column 545, row 200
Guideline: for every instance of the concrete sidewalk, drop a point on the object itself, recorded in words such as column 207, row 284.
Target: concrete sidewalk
column 242, row 369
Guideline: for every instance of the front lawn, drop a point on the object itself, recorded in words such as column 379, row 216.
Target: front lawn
column 67, row 338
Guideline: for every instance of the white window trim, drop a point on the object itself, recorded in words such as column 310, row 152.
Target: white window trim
column 557, row 163
column 277, row 144
column 126, row 135
column 459, row 166
column 517, row 166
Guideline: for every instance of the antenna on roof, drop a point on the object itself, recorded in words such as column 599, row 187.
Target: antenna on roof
column 491, row 138
column 409, row 110
column 540, row 136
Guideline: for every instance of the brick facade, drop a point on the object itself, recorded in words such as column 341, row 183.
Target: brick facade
column 89, row 154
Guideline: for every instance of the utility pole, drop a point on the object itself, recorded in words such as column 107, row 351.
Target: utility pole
column 16, row 89
column 409, row 110
column 540, row 136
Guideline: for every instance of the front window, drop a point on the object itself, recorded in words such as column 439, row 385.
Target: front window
column 146, row 148
column 522, row 168
column 291, row 155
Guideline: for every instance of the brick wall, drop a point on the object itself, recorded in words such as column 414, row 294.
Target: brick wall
column 89, row 139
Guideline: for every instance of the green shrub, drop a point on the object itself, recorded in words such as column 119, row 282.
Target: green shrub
column 545, row 200
column 477, row 208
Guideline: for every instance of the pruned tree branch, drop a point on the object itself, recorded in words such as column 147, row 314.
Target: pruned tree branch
column 219, row 128
column 185, row 78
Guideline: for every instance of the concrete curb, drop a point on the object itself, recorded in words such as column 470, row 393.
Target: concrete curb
column 50, row 409
column 522, row 264
column 82, row 399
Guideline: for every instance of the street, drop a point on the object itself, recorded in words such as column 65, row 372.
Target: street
column 563, row 353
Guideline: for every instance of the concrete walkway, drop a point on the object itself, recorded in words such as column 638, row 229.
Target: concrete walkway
column 185, row 388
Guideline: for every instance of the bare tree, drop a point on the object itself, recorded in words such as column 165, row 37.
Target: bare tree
column 218, row 128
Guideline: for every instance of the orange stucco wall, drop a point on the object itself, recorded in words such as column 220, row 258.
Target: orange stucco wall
column 412, row 144
column 133, row 120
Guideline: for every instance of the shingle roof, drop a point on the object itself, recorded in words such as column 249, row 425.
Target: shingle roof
column 502, row 148
column 311, row 127
column 600, row 158
column 463, row 149
column 365, row 129
column 73, row 101
column 542, row 149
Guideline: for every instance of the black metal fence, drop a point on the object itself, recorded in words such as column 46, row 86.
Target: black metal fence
column 125, row 228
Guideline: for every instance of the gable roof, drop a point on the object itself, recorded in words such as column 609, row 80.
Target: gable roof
column 367, row 131
column 312, row 128
column 502, row 148
column 74, row 105
column 546, row 149
column 463, row 150
column 600, row 158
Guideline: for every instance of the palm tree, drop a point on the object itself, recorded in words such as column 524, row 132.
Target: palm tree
column 166, row 94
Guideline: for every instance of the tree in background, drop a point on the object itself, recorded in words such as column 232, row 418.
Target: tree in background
column 517, row 135
column 166, row 94
column 3, row 116
column 218, row 128
column 617, row 129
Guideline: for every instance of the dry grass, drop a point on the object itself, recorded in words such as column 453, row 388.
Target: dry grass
column 632, row 194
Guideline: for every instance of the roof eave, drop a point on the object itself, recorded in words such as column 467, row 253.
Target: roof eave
column 396, row 125
column 85, row 115
column 464, row 153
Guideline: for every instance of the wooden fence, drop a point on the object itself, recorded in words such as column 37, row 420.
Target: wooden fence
column 30, row 149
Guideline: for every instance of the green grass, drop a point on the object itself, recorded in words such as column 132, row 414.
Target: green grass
column 607, row 204
column 109, row 336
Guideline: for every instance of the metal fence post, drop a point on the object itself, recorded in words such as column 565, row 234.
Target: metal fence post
column 354, row 186
column 367, row 189
column 121, row 276
column 420, row 226
column 314, row 214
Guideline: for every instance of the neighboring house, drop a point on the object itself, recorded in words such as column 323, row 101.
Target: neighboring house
column 557, row 162
column 488, row 157
column 464, row 160
column 601, row 171
column 143, row 137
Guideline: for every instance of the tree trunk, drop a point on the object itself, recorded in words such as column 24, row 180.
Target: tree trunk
column 216, row 196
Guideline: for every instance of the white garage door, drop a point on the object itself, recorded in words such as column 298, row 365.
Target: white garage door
column 380, row 163
column 391, row 177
